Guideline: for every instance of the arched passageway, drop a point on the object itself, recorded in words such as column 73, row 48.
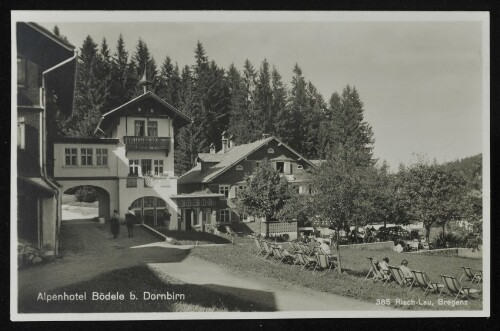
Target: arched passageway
column 151, row 211
column 102, row 198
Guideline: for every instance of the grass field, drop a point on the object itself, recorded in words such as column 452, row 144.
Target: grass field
column 351, row 283
column 139, row 280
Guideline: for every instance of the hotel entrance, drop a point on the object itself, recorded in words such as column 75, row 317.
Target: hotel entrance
column 198, row 211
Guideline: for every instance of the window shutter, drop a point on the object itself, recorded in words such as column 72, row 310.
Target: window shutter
column 288, row 168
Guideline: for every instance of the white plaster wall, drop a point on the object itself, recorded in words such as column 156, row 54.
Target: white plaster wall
column 61, row 170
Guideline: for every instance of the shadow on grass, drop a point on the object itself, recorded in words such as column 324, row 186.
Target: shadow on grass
column 142, row 282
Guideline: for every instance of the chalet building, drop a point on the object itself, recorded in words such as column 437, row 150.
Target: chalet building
column 45, row 86
column 206, row 192
column 132, row 164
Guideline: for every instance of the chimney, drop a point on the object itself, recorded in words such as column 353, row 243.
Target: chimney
column 224, row 142
column 265, row 135
column 231, row 141
column 212, row 148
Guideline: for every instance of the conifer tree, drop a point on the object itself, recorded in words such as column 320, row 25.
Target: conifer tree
column 123, row 78
column 297, row 106
column 169, row 83
column 281, row 127
column 239, row 120
column 263, row 101
column 91, row 92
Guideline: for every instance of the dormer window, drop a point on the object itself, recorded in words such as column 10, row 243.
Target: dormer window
column 270, row 151
column 300, row 167
column 239, row 167
column 139, row 129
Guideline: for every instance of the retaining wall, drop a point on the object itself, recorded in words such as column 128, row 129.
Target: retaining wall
column 377, row 246
column 459, row 252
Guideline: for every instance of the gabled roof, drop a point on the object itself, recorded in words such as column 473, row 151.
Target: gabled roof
column 230, row 158
column 174, row 112
column 210, row 157
column 50, row 35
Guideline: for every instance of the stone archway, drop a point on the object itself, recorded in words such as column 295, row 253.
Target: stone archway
column 103, row 199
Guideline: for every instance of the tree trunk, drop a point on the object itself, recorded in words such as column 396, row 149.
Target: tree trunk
column 428, row 232
column 339, row 265
column 267, row 225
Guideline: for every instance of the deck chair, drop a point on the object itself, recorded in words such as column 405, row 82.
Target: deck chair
column 398, row 277
column 277, row 254
column 306, row 261
column 268, row 247
column 289, row 257
column 305, row 249
column 294, row 246
column 424, row 282
column 260, row 248
column 377, row 275
column 323, row 262
column 457, row 290
column 471, row 276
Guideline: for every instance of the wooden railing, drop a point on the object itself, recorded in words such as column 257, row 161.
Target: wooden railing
column 136, row 143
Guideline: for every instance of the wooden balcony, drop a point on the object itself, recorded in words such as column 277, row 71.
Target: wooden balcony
column 135, row 143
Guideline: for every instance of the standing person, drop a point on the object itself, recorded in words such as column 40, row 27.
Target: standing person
column 115, row 224
column 167, row 218
column 130, row 220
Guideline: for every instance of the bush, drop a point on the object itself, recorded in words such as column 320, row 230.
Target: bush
column 86, row 194
column 449, row 240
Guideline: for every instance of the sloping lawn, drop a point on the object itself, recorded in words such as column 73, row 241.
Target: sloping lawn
column 351, row 283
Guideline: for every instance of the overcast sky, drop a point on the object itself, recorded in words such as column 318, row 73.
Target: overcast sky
column 421, row 82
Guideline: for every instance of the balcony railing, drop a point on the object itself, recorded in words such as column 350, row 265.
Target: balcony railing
column 136, row 143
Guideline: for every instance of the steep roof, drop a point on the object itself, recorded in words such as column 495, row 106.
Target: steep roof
column 210, row 157
column 177, row 115
column 228, row 159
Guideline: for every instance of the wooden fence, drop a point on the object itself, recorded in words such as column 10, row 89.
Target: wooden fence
column 280, row 228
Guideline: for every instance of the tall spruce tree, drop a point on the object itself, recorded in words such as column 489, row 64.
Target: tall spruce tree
column 123, row 78
column 91, row 91
column 239, row 120
column 142, row 60
column 347, row 127
column 297, row 107
column 169, row 83
column 281, row 126
column 264, row 100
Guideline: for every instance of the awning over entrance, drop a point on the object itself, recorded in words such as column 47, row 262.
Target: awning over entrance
column 196, row 199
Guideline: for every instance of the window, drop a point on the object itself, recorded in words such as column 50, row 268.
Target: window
column 148, row 202
column 133, row 166
column 196, row 219
column 280, row 167
column 152, row 128
column 188, row 203
column 300, row 167
column 139, row 128
column 180, row 202
column 21, row 133
column 239, row 189
column 224, row 189
column 86, row 156
column 195, row 203
column 209, row 202
column 158, row 167
column 137, row 204
column 203, row 202
column 270, row 151
column 146, row 166
column 101, row 156
column 21, row 71
column 239, row 167
column 225, row 215
column 70, row 156
column 288, row 168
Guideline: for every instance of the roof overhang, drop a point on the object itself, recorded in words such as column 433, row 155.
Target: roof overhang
column 145, row 102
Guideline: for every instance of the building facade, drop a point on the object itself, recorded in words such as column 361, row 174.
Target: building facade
column 45, row 87
column 224, row 173
column 131, row 165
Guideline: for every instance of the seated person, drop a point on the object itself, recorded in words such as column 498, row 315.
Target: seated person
column 398, row 248
column 324, row 247
column 405, row 270
column 384, row 264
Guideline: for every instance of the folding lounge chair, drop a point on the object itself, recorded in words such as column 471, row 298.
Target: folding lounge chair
column 471, row 276
column 305, row 249
column 268, row 247
column 306, row 261
column 323, row 262
column 260, row 248
column 424, row 282
column 398, row 277
column 289, row 257
column 294, row 247
column 453, row 285
column 377, row 274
